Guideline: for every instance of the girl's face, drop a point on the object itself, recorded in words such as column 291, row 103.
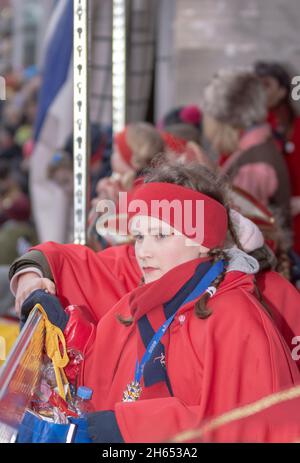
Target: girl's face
column 159, row 248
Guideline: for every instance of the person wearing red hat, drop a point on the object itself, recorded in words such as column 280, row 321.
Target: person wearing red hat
column 134, row 148
column 192, row 340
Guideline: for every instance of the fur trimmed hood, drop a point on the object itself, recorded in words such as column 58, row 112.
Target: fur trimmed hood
column 236, row 98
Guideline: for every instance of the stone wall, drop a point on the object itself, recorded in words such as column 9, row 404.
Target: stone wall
column 211, row 34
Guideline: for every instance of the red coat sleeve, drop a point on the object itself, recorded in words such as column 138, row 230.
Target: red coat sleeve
column 241, row 357
column 94, row 281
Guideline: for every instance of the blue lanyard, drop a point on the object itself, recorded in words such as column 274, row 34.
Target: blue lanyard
column 206, row 280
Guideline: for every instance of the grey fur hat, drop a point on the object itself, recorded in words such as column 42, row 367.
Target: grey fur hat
column 236, row 98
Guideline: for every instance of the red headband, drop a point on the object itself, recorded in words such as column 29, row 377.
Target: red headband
column 173, row 143
column 194, row 214
column 124, row 149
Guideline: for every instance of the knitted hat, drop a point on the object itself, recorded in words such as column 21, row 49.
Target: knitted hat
column 236, row 98
column 191, row 115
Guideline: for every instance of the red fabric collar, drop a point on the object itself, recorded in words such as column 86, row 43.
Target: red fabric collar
column 146, row 297
column 190, row 206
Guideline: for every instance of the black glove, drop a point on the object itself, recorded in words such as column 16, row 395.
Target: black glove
column 50, row 304
column 103, row 427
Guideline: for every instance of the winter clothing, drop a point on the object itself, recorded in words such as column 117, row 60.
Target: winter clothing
column 236, row 98
column 207, row 350
column 249, row 234
column 258, row 167
column 84, row 278
column 50, row 303
column 238, row 337
column 290, row 147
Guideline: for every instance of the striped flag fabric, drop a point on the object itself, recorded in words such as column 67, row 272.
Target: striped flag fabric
column 51, row 208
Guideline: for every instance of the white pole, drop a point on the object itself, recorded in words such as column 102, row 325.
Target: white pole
column 119, row 65
column 81, row 145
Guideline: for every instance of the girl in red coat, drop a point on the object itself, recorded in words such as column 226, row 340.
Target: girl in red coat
column 192, row 340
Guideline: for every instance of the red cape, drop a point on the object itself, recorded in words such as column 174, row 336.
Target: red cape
column 284, row 301
column 97, row 281
column 94, row 281
column 233, row 357
column 272, row 419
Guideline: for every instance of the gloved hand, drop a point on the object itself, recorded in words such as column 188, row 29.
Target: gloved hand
column 103, row 427
column 50, row 304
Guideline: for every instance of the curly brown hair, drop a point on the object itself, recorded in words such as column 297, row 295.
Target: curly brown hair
column 198, row 178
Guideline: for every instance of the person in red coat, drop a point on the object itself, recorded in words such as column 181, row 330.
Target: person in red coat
column 285, row 123
column 193, row 340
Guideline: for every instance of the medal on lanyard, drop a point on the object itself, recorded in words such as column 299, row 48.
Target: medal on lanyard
column 133, row 390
